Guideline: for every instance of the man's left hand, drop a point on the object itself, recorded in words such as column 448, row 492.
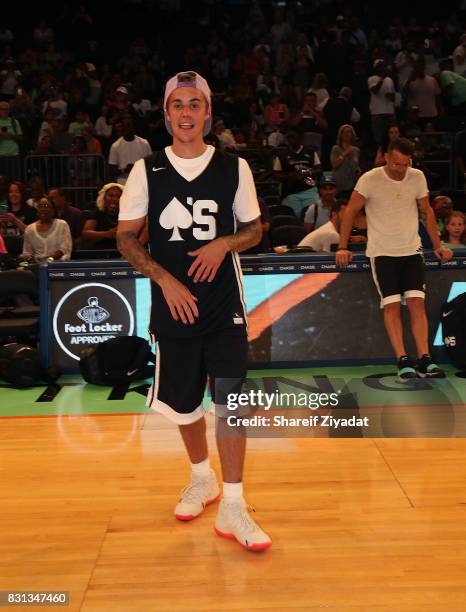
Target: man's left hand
column 443, row 254
column 208, row 260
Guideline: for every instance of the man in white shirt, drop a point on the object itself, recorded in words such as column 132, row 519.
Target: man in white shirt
column 126, row 151
column 391, row 195
column 322, row 238
column 201, row 209
column 382, row 101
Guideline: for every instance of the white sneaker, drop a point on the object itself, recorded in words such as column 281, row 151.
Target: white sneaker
column 200, row 492
column 234, row 522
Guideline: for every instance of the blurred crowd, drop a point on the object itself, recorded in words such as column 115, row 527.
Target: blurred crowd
column 311, row 93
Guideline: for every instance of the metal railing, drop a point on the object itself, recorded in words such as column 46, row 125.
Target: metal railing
column 81, row 176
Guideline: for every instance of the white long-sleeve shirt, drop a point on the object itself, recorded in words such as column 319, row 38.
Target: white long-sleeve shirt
column 42, row 245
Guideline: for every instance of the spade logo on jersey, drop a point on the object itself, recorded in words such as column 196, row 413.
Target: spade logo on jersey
column 175, row 216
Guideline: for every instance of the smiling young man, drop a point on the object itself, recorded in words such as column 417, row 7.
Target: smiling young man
column 391, row 195
column 202, row 209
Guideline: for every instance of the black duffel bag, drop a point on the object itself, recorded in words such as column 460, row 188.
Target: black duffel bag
column 21, row 366
column 117, row 361
column 454, row 330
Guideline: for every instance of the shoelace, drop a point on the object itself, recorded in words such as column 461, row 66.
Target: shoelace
column 241, row 517
column 194, row 491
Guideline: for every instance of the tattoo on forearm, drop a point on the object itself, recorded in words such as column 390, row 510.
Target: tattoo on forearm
column 247, row 235
column 130, row 247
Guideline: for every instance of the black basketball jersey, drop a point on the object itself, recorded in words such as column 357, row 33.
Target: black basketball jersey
column 183, row 216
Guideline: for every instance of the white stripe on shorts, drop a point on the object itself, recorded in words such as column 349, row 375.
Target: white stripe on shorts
column 390, row 299
column 160, row 407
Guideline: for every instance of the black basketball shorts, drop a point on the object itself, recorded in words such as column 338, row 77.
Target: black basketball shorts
column 183, row 366
column 398, row 278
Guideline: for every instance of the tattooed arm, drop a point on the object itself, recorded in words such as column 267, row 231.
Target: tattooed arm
column 180, row 300
column 209, row 257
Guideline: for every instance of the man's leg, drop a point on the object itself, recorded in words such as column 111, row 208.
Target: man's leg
column 177, row 393
column 195, row 440
column 386, row 272
column 227, row 363
column 232, row 450
column 419, row 324
column 393, row 325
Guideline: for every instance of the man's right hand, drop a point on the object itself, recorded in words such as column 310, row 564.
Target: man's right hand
column 343, row 257
column 180, row 300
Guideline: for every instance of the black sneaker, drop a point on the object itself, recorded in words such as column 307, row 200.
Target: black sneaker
column 426, row 368
column 406, row 369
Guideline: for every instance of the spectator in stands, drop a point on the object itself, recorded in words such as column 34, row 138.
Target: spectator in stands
column 100, row 229
column 10, row 78
column 459, row 57
column 276, row 112
column 103, row 128
column 310, row 122
column 57, row 103
column 42, row 35
column 19, row 214
column 318, row 213
column 454, row 235
column 339, row 111
column 79, row 124
column 443, row 207
column 44, row 146
column 382, row 100
column 357, row 36
column 93, row 146
column 63, row 210
column 126, row 151
column 36, row 190
column 295, row 170
column 277, row 138
column 62, row 141
column 344, row 158
column 321, row 239
column 303, row 67
column 22, row 109
column 424, row 92
column 48, row 237
column 11, row 134
column 83, row 170
column 392, row 134
column 453, row 88
column 225, row 136
column 405, row 61
column 46, row 127
column 319, row 87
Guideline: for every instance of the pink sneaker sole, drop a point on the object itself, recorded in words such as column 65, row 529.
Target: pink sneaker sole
column 253, row 547
column 190, row 517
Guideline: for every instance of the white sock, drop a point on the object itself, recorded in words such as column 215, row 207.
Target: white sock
column 202, row 468
column 233, row 490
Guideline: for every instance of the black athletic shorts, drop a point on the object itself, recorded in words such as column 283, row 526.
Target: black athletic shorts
column 183, row 366
column 398, row 277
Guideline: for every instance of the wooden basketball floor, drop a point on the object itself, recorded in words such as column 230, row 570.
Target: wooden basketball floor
column 88, row 485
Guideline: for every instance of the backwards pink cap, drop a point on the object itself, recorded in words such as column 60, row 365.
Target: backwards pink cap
column 187, row 79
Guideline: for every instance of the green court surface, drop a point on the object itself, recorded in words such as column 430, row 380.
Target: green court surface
column 359, row 387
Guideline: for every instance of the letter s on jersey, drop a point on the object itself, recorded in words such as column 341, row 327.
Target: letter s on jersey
column 199, row 207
